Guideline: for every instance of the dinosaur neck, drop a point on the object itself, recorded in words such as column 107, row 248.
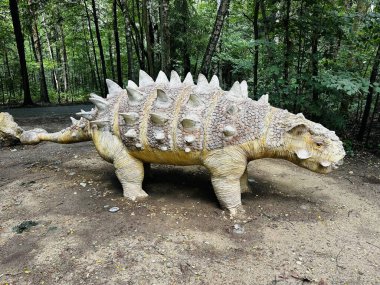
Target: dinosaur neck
column 268, row 144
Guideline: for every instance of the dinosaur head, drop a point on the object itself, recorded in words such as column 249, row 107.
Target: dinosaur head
column 307, row 144
column 313, row 146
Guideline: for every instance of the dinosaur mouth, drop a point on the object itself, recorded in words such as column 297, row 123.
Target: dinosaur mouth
column 332, row 165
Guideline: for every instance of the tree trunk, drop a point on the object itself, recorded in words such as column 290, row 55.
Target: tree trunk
column 256, row 47
column 44, row 96
column 55, row 77
column 375, row 111
column 287, row 48
column 215, row 34
column 128, row 38
column 64, row 58
column 367, row 108
column 117, row 45
column 165, row 37
column 93, row 72
column 96, row 21
column 21, row 51
column 93, row 45
column 9, row 79
column 148, row 37
column 110, row 48
column 314, row 63
column 300, row 54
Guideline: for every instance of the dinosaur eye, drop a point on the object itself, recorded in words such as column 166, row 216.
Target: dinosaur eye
column 319, row 143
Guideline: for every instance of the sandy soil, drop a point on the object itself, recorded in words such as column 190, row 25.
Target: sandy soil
column 306, row 228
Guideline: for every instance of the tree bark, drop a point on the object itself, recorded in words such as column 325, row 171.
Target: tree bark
column 215, row 34
column 286, row 47
column 44, row 96
column 9, row 79
column 93, row 45
column 314, row 63
column 128, row 38
column 256, row 47
column 117, row 45
column 104, row 71
column 148, row 37
column 110, row 48
column 55, row 77
column 165, row 37
column 64, row 58
column 21, row 51
column 367, row 108
column 90, row 62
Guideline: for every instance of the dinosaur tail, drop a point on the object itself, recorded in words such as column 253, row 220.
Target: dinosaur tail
column 78, row 132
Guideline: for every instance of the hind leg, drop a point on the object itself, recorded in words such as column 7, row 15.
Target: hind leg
column 130, row 172
column 244, row 185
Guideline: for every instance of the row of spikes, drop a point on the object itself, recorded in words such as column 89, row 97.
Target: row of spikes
column 159, row 119
column 238, row 90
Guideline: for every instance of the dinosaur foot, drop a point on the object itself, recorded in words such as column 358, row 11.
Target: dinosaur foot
column 237, row 213
column 135, row 194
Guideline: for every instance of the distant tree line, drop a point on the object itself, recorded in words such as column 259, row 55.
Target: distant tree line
column 313, row 56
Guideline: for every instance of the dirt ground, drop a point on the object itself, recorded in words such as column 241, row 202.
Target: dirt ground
column 306, row 228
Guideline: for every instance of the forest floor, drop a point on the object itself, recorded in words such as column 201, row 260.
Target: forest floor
column 305, row 228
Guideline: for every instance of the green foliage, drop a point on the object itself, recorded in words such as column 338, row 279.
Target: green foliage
column 330, row 51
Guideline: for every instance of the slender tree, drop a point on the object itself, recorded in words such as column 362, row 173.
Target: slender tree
column 215, row 34
column 44, row 96
column 128, row 38
column 165, row 37
column 103, row 62
column 148, row 36
column 21, row 50
column 287, row 46
column 256, row 47
column 368, row 104
column 117, row 44
column 93, row 44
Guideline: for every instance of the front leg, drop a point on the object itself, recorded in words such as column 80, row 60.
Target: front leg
column 227, row 166
column 130, row 172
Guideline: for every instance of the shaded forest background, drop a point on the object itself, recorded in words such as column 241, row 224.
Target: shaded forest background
column 312, row 56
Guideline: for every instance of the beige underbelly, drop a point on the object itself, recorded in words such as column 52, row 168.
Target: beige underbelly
column 178, row 157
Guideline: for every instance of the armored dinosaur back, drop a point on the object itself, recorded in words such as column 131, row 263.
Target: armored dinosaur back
column 181, row 116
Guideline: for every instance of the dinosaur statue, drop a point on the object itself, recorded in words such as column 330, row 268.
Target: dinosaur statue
column 182, row 123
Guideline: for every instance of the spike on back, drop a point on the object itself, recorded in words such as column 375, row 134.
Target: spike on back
column 188, row 79
column 202, row 81
column 244, row 88
column 133, row 85
column 264, row 99
column 134, row 95
column 158, row 119
column 235, row 91
column 161, row 78
column 175, row 80
column 130, row 118
column 194, row 101
column 99, row 102
column 87, row 115
column 214, row 82
column 113, row 87
column 161, row 96
column 144, row 79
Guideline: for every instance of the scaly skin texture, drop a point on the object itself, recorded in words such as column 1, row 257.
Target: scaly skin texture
column 179, row 123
